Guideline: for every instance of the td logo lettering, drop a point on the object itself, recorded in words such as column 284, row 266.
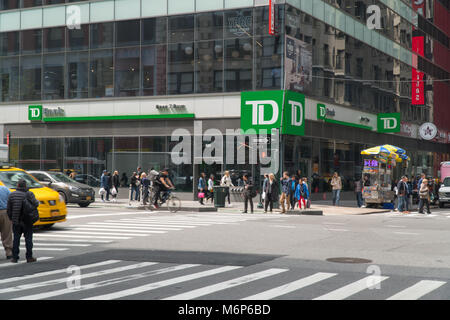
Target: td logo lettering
column 263, row 110
column 389, row 122
column 35, row 113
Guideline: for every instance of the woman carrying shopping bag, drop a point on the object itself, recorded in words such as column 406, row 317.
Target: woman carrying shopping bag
column 201, row 187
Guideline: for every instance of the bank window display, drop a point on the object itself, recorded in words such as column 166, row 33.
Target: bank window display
column 76, row 154
column 9, row 43
column 128, row 33
column 209, row 66
column 238, row 66
column 53, row 77
column 52, row 154
column 126, row 154
column 153, row 67
column 77, row 74
column 101, row 74
column 127, row 72
column 30, row 80
column 181, row 28
column 154, row 31
column 78, row 39
column 9, row 79
column 209, row 26
column 54, row 39
column 31, row 41
column 181, row 68
column 268, row 59
column 102, row 35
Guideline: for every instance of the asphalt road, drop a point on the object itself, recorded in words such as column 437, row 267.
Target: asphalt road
column 112, row 253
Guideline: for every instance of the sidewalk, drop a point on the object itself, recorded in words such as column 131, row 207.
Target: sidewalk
column 346, row 208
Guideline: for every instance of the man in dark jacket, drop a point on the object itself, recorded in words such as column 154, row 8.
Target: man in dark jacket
column 248, row 193
column 15, row 213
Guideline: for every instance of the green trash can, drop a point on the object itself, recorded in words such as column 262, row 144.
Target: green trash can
column 219, row 196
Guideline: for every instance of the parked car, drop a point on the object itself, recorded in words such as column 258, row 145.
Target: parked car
column 70, row 190
column 88, row 179
column 444, row 192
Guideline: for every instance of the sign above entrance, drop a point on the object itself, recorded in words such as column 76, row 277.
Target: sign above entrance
column 428, row 131
column 389, row 122
column 38, row 113
column 264, row 110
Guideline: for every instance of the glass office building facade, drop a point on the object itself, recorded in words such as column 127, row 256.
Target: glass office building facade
column 128, row 52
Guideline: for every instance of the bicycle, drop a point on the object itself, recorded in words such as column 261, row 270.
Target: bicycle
column 172, row 201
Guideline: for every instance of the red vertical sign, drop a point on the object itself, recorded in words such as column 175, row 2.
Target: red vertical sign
column 272, row 17
column 418, row 85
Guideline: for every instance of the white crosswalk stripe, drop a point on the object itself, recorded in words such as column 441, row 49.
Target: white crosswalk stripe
column 116, row 279
column 418, row 290
column 352, row 288
column 290, row 287
column 226, row 284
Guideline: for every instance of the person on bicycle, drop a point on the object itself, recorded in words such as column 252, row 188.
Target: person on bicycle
column 162, row 184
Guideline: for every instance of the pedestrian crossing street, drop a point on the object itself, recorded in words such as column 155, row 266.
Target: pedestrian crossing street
column 77, row 236
column 117, row 279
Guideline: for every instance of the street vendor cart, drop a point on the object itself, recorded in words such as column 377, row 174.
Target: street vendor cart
column 378, row 171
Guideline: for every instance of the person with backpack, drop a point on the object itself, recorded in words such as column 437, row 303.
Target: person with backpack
column 302, row 194
column 22, row 211
column 226, row 182
column 293, row 182
column 249, row 193
column 161, row 183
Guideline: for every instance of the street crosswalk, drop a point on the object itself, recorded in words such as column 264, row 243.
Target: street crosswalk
column 119, row 279
column 75, row 236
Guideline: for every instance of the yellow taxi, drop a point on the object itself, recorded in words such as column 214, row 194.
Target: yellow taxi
column 52, row 207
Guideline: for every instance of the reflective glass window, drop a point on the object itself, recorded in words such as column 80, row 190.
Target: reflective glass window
column 268, row 51
column 128, row 33
column 76, row 155
column 30, row 79
column 126, row 154
column 53, row 77
column 154, row 70
column 209, row 69
column 181, row 68
column 154, row 30
column 52, row 151
column 78, row 39
column 181, row 28
column 238, row 23
column 101, row 152
column 77, row 75
column 31, row 3
column 101, row 74
column 9, row 4
column 209, row 26
column 238, row 64
column 31, row 41
column 9, row 79
column 9, row 43
column 30, row 154
column 127, row 72
column 54, row 39
column 102, row 35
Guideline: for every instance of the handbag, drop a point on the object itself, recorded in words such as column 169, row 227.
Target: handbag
column 102, row 191
column 263, row 196
column 113, row 191
column 201, row 195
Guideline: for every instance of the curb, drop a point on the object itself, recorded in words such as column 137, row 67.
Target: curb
column 185, row 209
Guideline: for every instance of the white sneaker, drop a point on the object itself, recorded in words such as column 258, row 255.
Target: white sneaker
column 230, row 205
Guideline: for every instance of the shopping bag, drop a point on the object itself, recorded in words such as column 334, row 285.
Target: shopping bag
column 263, row 195
column 308, row 204
column 113, row 191
column 201, row 195
column 102, row 191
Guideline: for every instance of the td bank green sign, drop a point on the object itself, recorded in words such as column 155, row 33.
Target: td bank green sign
column 269, row 109
column 35, row 113
column 388, row 122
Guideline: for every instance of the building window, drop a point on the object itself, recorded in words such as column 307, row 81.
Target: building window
column 154, row 31
column 31, row 41
column 102, row 35
column 78, row 39
column 127, row 72
column 53, row 77
column 181, row 28
column 154, row 70
column 209, row 66
column 239, row 23
column 101, row 74
column 209, row 26
column 128, row 33
column 238, row 64
column 268, row 51
column 30, row 80
column 181, row 68
column 9, row 43
column 77, row 75
column 54, row 39
column 9, row 79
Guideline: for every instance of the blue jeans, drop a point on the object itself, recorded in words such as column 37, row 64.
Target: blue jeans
column 134, row 189
column 402, row 203
column 359, row 199
column 336, row 197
